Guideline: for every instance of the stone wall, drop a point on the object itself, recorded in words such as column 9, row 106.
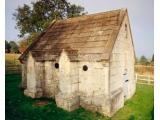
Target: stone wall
column 24, row 76
column 31, row 77
column 93, row 86
column 70, row 84
column 122, row 58
column 78, row 87
column 67, row 97
column 50, row 79
column 41, row 78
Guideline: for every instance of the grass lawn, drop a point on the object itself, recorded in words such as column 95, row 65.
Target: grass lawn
column 20, row 107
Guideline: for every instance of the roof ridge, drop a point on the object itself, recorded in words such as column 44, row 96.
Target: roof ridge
column 93, row 14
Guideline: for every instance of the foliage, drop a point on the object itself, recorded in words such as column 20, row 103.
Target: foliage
column 136, row 60
column 35, row 18
column 25, row 42
column 152, row 61
column 20, row 107
column 75, row 11
column 14, row 47
column 7, row 47
column 153, row 58
column 144, row 61
column 23, row 45
column 11, row 46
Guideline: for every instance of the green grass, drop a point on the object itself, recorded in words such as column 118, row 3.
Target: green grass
column 20, row 107
column 139, row 107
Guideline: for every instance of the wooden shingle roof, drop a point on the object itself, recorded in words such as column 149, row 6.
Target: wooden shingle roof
column 81, row 37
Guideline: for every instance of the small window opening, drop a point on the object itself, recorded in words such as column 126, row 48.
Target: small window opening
column 125, row 27
column 126, row 30
column 56, row 65
column 85, row 68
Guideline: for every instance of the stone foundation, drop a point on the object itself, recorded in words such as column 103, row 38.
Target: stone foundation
column 99, row 103
column 117, row 101
column 68, row 103
column 34, row 94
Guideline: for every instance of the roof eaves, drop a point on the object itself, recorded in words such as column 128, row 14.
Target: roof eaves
column 35, row 41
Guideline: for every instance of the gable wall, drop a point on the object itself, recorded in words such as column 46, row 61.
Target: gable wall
column 122, row 57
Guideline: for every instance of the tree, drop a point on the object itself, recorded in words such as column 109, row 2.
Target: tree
column 36, row 18
column 152, row 58
column 75, row 11
column 137, row 60
column 143, row 60
column 23, row 45
column 7, row 47
column 25, row 42
column 14, row 47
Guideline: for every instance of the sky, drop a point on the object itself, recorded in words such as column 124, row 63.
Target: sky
column 141, row 15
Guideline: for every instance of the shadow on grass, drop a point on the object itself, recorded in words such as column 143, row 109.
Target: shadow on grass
column 152, row 114
column 131, row 117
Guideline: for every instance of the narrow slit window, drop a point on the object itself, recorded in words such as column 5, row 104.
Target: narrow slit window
column 125, row 27
column 126, row 30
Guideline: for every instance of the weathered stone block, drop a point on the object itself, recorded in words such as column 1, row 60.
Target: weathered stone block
column 68, row 103
column 90, row 107
column 34, row 94
column 117, row 101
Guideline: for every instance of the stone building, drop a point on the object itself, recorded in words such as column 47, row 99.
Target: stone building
column 84, row 61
